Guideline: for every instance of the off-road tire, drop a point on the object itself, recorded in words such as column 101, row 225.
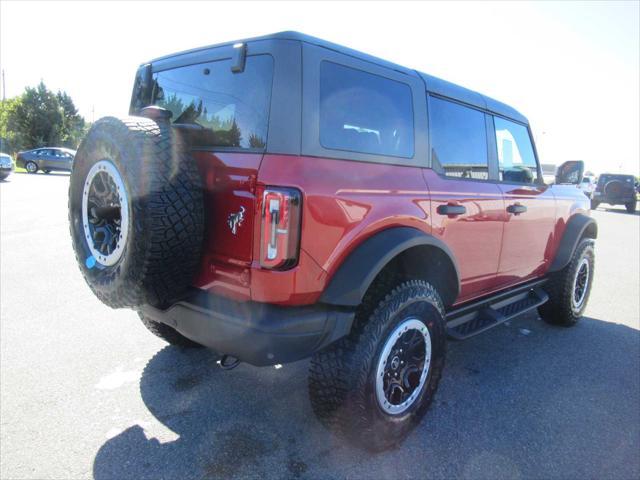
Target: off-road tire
column 168, row 334
column 631, row 207
column 559, row 309
column 341, row 377
column 166, row 217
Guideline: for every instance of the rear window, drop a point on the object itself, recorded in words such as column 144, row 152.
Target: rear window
column 363, row 112
column 231, row 109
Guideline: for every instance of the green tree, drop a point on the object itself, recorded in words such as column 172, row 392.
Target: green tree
column 73, row 125
column 10, row 139
column 40, row 118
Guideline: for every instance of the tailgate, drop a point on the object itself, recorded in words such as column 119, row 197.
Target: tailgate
column 229, row 181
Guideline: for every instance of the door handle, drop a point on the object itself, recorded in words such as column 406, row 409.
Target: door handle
column 452, row 210
column 516, row 209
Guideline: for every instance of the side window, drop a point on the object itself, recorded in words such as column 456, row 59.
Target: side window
column 516, row 161
column 363, row 112
column 458, row 140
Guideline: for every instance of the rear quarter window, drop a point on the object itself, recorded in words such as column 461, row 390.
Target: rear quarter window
column 363, row 112
column 231, row 109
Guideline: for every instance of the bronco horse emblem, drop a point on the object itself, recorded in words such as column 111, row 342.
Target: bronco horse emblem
column 235, row 220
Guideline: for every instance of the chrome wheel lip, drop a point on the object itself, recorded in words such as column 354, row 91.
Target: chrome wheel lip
column 581, row 290
column 106, row 166
column 405, row 326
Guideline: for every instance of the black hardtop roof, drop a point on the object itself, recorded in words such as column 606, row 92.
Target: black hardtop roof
column 616, row 175
column 434, row 85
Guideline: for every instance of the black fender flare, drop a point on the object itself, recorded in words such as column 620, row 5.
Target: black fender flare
column 351, row 281
column 577, row 226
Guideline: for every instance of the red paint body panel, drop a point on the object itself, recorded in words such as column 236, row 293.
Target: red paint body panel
column 229, row 181
column 345, row 202
column 527, row 238
column 475, row 237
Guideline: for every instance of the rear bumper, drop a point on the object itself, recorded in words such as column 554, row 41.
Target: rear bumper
column 256, row 333
column 614, row 200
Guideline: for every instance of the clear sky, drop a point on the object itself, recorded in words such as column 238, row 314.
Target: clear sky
column 572, row 68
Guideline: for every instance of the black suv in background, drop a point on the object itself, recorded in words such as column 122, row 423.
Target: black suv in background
column 615, row 189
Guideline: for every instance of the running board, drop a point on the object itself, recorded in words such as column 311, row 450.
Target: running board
column 473, row 319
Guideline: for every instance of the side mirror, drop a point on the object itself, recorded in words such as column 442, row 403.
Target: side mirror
column 570, row 173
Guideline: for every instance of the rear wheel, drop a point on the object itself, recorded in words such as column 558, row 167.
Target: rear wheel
column 167, row 333
column 631, row 207
column 31, row 167
column 373, row 386
column 569, row 288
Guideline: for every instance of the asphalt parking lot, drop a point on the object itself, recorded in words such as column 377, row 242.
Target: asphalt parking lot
column 87, row 392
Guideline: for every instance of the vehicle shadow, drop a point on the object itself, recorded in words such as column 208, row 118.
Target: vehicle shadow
column 523, row 400
column 621, row 210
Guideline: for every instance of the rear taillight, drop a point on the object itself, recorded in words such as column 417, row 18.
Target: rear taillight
column 280, row 234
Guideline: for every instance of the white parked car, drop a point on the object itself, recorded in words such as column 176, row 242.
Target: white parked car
column 6, row 165
column 588, row 185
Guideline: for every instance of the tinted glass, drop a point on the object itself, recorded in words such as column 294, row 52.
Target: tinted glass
column 231, row 108
column 516, row 161
column 362, row 112
column 458, row 140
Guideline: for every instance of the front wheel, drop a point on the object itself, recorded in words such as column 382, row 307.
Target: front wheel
column 569, row 288
column 31, row 167
column 373, row 386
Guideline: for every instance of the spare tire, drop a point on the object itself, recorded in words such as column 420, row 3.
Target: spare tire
column 617, row 189
column 136, row 212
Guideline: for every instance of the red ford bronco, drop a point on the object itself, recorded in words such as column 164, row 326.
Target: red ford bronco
column 283, row 197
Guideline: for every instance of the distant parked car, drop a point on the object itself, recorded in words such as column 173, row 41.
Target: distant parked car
column 46, row 159
column 6, row 165
column 615, row 189
column 588, row 185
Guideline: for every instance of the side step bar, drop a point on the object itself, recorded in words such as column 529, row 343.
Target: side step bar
column 472, row 319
